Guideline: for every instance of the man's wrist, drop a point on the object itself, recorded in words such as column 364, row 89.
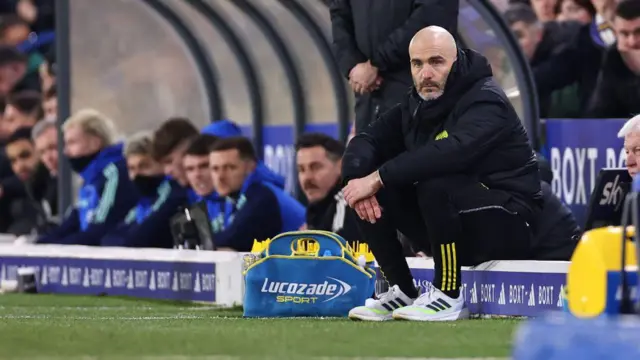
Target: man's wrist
column 378, row 179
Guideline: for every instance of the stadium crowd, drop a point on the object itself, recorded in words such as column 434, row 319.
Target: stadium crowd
column 585, row 57
column 584, row 54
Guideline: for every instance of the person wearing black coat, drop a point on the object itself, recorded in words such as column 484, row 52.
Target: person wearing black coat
column 319, row 161
column 557, row 232
column 454, row 161
column 617, row 93
column 370, row 40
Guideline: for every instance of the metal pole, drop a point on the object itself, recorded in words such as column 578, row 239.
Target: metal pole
column 63, row 80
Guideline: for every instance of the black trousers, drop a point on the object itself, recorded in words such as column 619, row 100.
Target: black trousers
column 460, row 220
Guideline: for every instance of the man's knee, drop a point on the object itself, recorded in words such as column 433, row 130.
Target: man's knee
column 441, row 188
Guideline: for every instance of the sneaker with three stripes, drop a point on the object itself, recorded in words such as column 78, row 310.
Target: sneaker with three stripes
column 434, row 305
column 381, row 309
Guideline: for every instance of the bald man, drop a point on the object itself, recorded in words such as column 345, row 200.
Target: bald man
column 452, row 164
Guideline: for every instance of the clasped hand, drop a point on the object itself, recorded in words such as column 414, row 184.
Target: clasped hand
column 364, row 78
column 360, row 195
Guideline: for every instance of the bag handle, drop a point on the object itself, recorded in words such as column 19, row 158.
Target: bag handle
column 303, row 243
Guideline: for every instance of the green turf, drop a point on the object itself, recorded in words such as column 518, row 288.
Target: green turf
column 68, row 326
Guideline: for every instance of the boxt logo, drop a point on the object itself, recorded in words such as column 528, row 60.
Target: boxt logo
column 305, row 293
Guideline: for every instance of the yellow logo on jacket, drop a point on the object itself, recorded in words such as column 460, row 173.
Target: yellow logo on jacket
column 443, row 135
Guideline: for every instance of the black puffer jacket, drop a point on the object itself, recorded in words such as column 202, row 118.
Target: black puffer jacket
column 479, row 134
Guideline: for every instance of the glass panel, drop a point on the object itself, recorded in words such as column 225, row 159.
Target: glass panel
column 313, row 71
column 230, row 77
column 478, row 35
column 128, row 63
column 276, row 93
column 320, row 13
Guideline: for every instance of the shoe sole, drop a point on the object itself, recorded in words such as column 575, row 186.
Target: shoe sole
column 355, row 317
column 460, row 315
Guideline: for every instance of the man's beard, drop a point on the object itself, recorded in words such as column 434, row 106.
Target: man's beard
column 431, row 95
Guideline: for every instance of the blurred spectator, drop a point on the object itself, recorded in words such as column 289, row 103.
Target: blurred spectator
column 545, row 10
column 50, row 103
column 13, row 30
column 581, row 11
column 541, row 42
column 250, row 209
column 370, row 41
column 147, row 224
column 106, row 194
column 38, row 13
column 319, row 160
column 196, row 166
column 45, row 138
column 47, row 71
column 23, row 109
column 564, row 58
column 617, row 93
column 170, row 141
column 34, row 212
column 15, row 73
column 602, row 25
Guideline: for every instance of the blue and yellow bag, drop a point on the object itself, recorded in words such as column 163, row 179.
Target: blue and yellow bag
column 307, row 273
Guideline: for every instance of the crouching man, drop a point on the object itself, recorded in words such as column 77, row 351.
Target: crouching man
column 451, row 161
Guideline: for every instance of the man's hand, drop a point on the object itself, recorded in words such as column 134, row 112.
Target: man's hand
column 364, row 78
column 631, row 58
column 368, row 209
column 360, row 189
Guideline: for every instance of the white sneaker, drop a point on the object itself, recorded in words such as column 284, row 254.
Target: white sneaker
column 381, row 309
column 434, row 305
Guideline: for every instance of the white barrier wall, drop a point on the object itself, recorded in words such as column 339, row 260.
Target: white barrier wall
column 498, row 288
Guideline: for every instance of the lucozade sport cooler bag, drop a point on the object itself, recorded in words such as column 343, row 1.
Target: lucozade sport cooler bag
column 306, row 273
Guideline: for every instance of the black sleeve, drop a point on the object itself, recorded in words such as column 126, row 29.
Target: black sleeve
column 393, row 54
column 604, row 102
column 344, row 43
column 380, row 141
column 480, row 127
column 557, row 72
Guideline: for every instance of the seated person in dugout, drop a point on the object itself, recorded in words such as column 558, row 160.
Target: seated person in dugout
column 170, row 141
column 31, row 213
column 452, row 161
column 319, row 160
column 106, row 194
column 248, row 208
column 147, row 223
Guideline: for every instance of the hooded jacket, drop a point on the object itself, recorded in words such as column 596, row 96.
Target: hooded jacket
column 470, row 129
column 148, row 223
column 226, row 128
column 260, row 210
column 104, row 199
